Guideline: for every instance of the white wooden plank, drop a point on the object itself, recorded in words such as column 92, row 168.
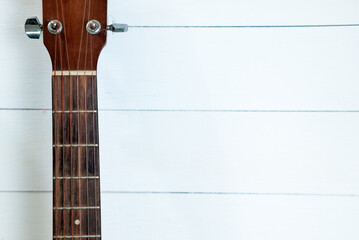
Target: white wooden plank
column 231, row 217
column 191, row 69
column 204, row 152
column 24, row 64
column 203, row 69
column 241, row 152
column 193, row 217
column 26, row 149
column 207, row 12
column 231, row 69
column 233, row 12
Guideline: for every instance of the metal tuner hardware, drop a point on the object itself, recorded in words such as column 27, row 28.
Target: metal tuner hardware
column 55, row 27
column 93, row 27
column 117, row 27
column 33, row 28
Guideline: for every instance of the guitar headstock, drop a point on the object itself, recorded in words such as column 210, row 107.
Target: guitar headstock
column 67, row 34
column 74, row 32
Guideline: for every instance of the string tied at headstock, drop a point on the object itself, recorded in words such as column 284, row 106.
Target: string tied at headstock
column 34, row 28
column 74, row 32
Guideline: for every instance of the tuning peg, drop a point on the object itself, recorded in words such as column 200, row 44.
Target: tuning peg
column 33, row 28
column 116, row 27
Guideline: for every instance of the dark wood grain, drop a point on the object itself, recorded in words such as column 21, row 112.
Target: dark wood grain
column 74, row 48
column 76, row 168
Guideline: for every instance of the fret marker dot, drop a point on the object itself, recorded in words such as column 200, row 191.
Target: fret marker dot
column 77, row 222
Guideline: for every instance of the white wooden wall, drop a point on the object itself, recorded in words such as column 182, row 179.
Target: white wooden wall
column 216, row 134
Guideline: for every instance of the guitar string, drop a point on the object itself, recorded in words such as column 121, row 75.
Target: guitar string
column 86, row 148
column 65, row 35
column 78, row 115
column 63, row 119
column 55, row 162
column 70, row 118
column 251, row 26
column 95, row 139
column 62, row 103
column 63, row 185
column 93, row 122
column 63, row 134
column 95, row 136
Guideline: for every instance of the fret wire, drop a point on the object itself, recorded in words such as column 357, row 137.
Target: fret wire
column 74, row 73
column 84, row 236
column 75, row 208
column 76, row 145
column 68, row 178
column 80, row 111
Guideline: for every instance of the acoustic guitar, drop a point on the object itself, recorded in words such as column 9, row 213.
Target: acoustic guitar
column 74, row 35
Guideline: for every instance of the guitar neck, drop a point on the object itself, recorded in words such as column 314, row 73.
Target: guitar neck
column 76, row 171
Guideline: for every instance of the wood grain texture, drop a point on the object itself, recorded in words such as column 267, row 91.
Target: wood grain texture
column 195, row 217
column 188, row 70
column 197, row 152
column 76, row 170
column 253, row 69
column 74, row 48
column 233, row 12
column 76, row 167
column 308, row 69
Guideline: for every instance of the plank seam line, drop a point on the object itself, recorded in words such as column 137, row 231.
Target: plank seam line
column 195, row 110
column 204, row 193
column 250, row 26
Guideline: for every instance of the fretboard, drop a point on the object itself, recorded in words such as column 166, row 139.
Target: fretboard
column 76, row 170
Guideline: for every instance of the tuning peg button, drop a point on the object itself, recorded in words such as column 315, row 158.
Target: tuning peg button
column 33, row 28
column 116, row 27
